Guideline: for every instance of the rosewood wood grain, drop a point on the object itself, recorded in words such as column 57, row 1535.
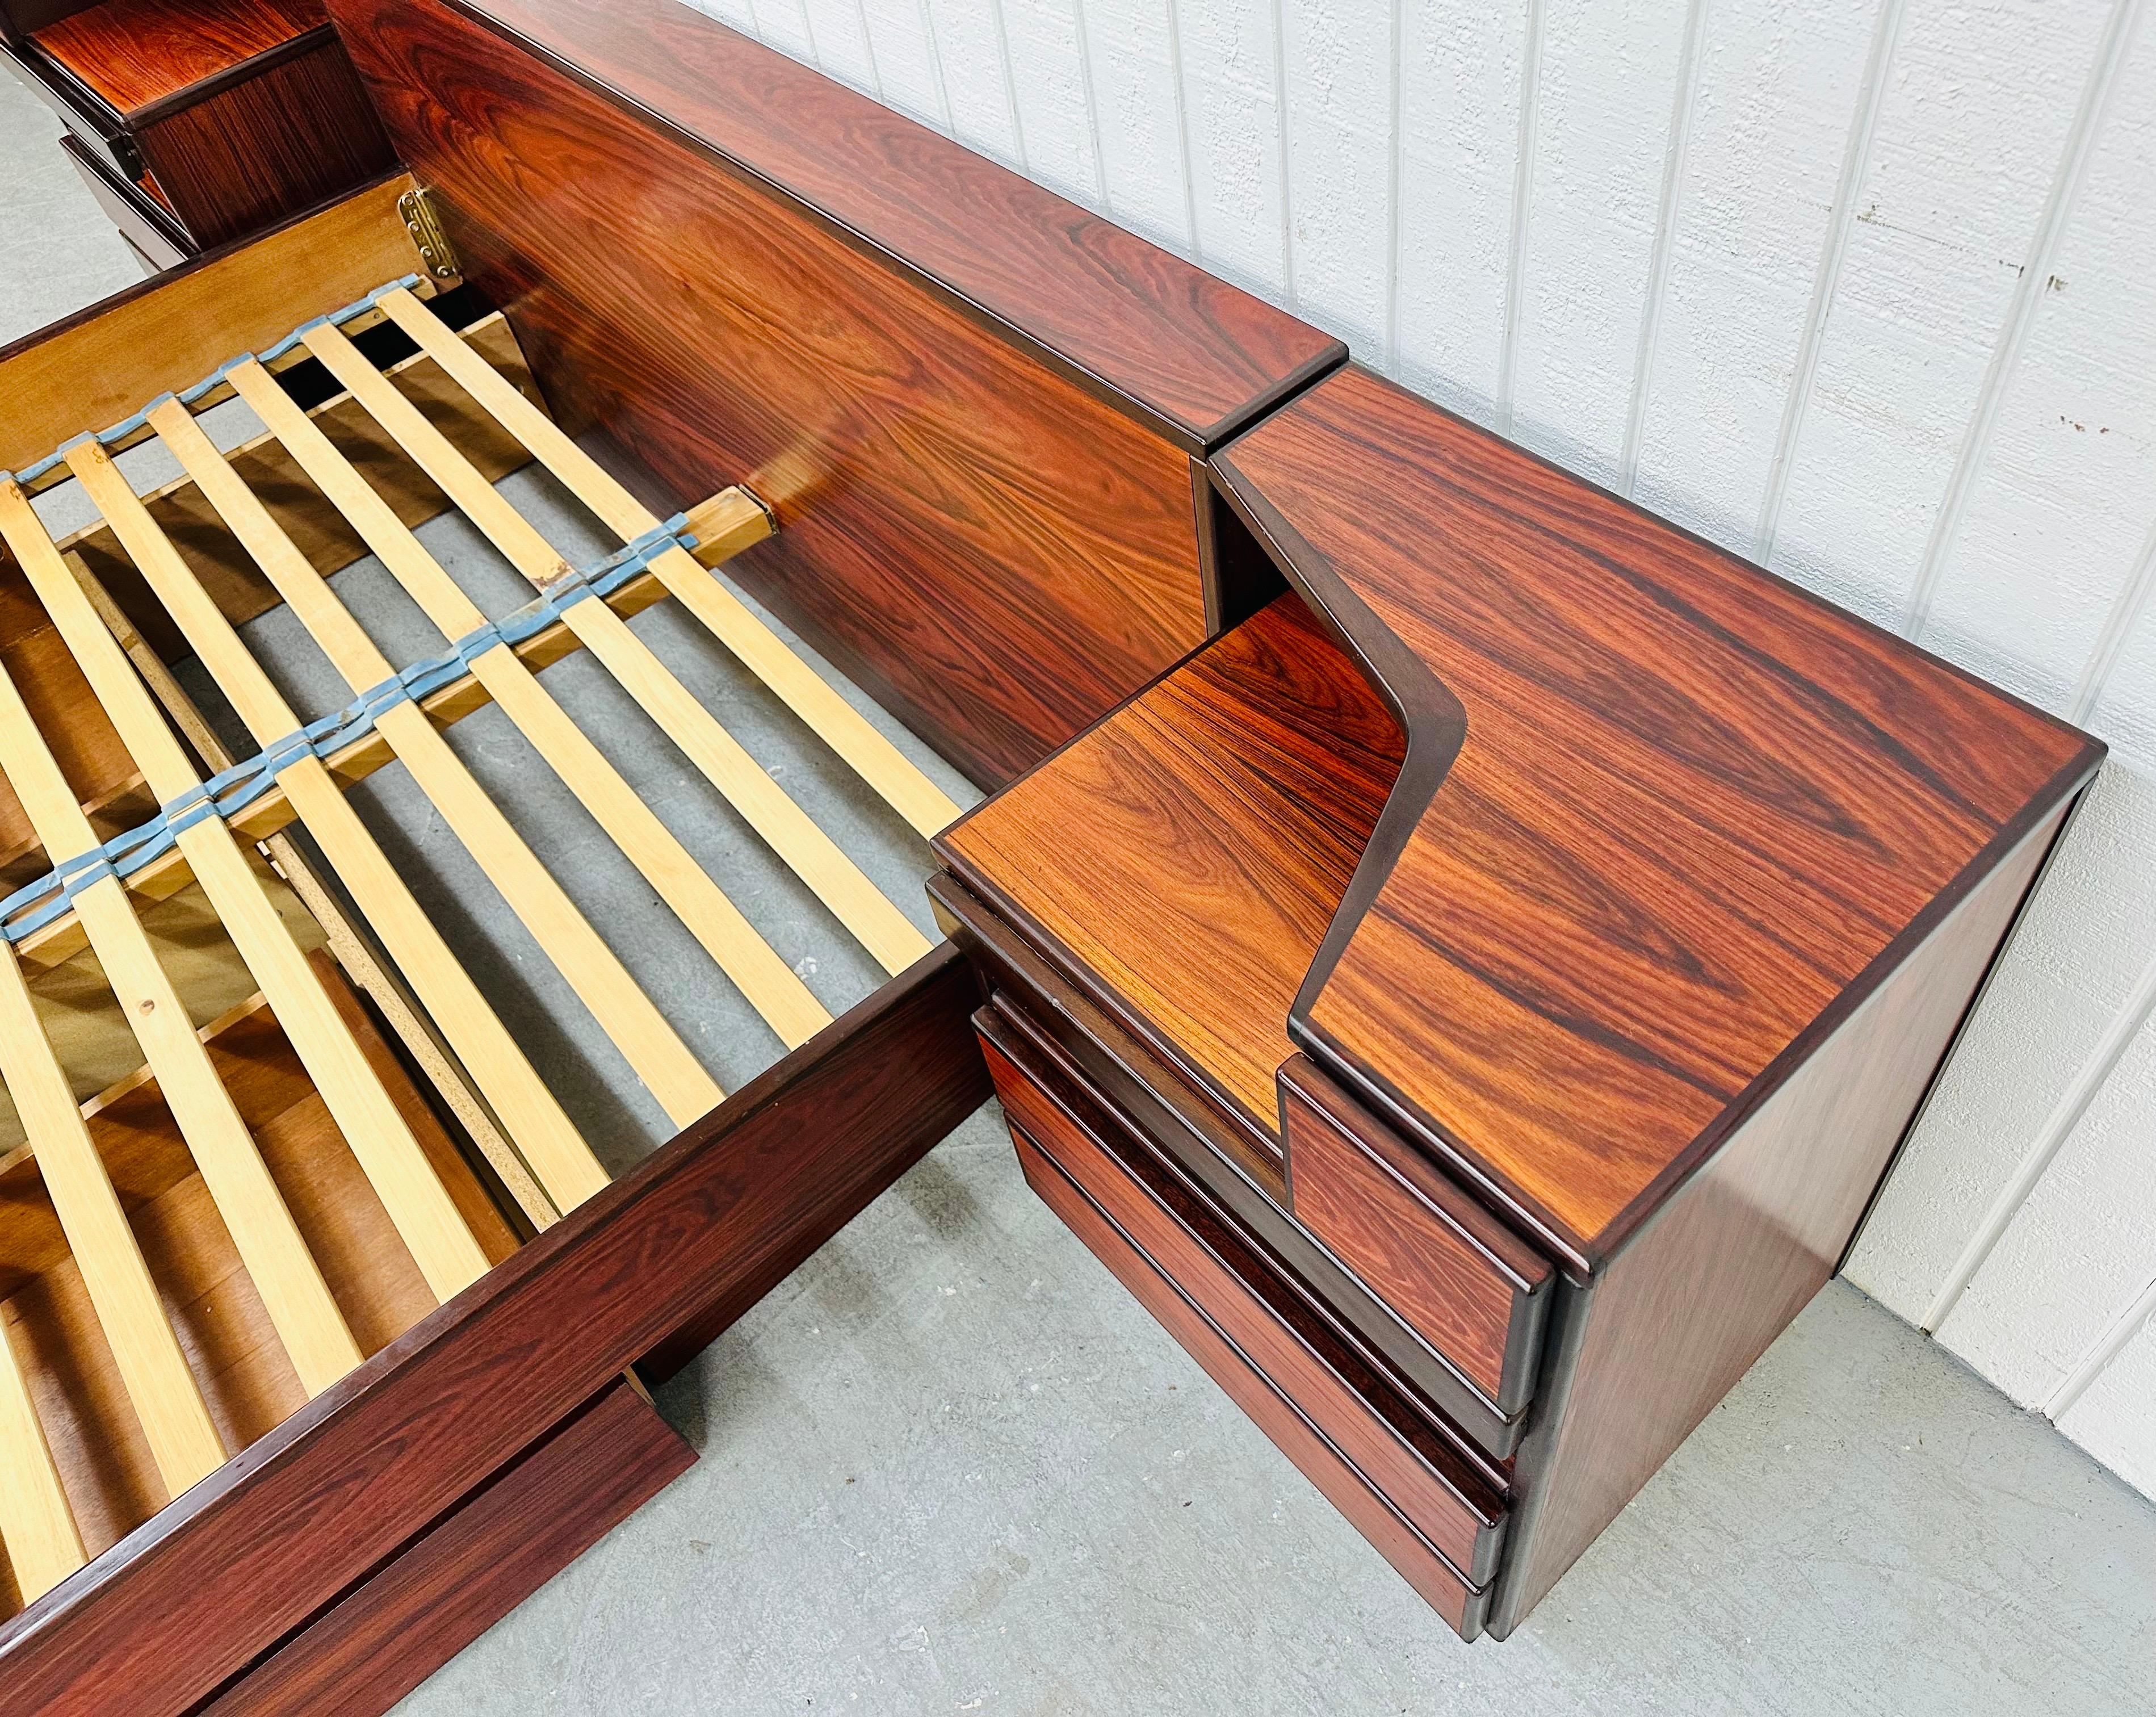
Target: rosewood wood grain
column 1645, row 1353
column 1367, row 1428
column 1665, row 819
column 1072, row 1031
column 1460, row 1279
column 1414, row 1373
column 284, row 137
column 136, row 53
column 254, row 1550
column 1193, row 357
column 1191, row 849
column 972, row 532
column 435, row 1595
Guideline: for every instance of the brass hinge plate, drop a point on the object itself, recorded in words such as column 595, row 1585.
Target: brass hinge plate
column 423, row 222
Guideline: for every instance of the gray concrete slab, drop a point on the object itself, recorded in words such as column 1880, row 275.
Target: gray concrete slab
column 950, row 1466
column 57, row 250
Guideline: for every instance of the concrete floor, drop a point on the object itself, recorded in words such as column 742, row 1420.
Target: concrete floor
column 950, row 1466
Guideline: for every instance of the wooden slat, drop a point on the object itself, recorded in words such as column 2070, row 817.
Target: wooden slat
column 425, row 1217
column 286, row 1275
column 352, row 944
column 836, row 879
column 624, row 1011
column 165, row 877
column 36, row 1524
column 837, row 723
column 770, row 985
column 175, row 1422
column 557, row 1152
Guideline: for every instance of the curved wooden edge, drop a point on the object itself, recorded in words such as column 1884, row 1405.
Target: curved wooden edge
column 1437, row 728
column 1179, row 350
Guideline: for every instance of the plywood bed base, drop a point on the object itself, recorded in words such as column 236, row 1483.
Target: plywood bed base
column 350, row 1253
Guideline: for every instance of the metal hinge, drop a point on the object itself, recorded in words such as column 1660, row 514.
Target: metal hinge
column 423, row 222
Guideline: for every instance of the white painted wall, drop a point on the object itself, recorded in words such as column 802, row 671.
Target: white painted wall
column 1863, row 289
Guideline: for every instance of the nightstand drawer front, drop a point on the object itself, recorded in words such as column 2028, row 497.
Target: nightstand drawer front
column 1386, row 1471
column 1450, row 1271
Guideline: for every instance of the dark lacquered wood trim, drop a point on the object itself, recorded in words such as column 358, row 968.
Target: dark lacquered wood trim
column 1481, row 1512
column 61, row 86
column 1411, row 1555
column 437, row 1594
column 1256, row 1139
column 314, row 40
column 1976, row 1001
column 1194, row 438
column 143, row 222
column 1437, row 728
column 1444, row 1395
column 200, row 1590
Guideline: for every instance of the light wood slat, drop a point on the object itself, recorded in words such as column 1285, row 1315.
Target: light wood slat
column 175, row 1422
column 165, row 877
column 770, row 985
column 542, row 1134
column 36, row 1524
column 285, row 1273
column 836, row 879
column 840, row 726
column 354, row 949
column 624, row 1012
column 425, row 1217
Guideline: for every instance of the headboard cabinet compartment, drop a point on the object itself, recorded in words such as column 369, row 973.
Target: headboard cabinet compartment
column 316, row 1301
column 199, row 122
column 1535, row 933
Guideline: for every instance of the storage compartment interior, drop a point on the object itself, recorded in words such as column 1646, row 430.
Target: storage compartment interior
column 1224, row 809
column 133, row 52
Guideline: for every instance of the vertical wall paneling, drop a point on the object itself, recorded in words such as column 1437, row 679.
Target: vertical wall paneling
column 1585, row 254
column 1856, row 159
column 1958, row 605
column 1460, row 90
column 1523, row 187
column 1230, row 103
column 1675, row 163
column 1864, row 287
column 786, row 27
column 966, row 43
column 2019, row 1081
column 1134, row 85
column 1339, row 95
column 2111, row 1418
column 1010, row 85
column 2080, row 1249
column 1769, row 131
column 1287, row 152
column 1053, row 89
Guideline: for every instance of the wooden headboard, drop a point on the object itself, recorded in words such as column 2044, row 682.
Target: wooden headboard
column 975, row 407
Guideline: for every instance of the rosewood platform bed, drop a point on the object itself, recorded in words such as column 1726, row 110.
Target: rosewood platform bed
column 1462, row 951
